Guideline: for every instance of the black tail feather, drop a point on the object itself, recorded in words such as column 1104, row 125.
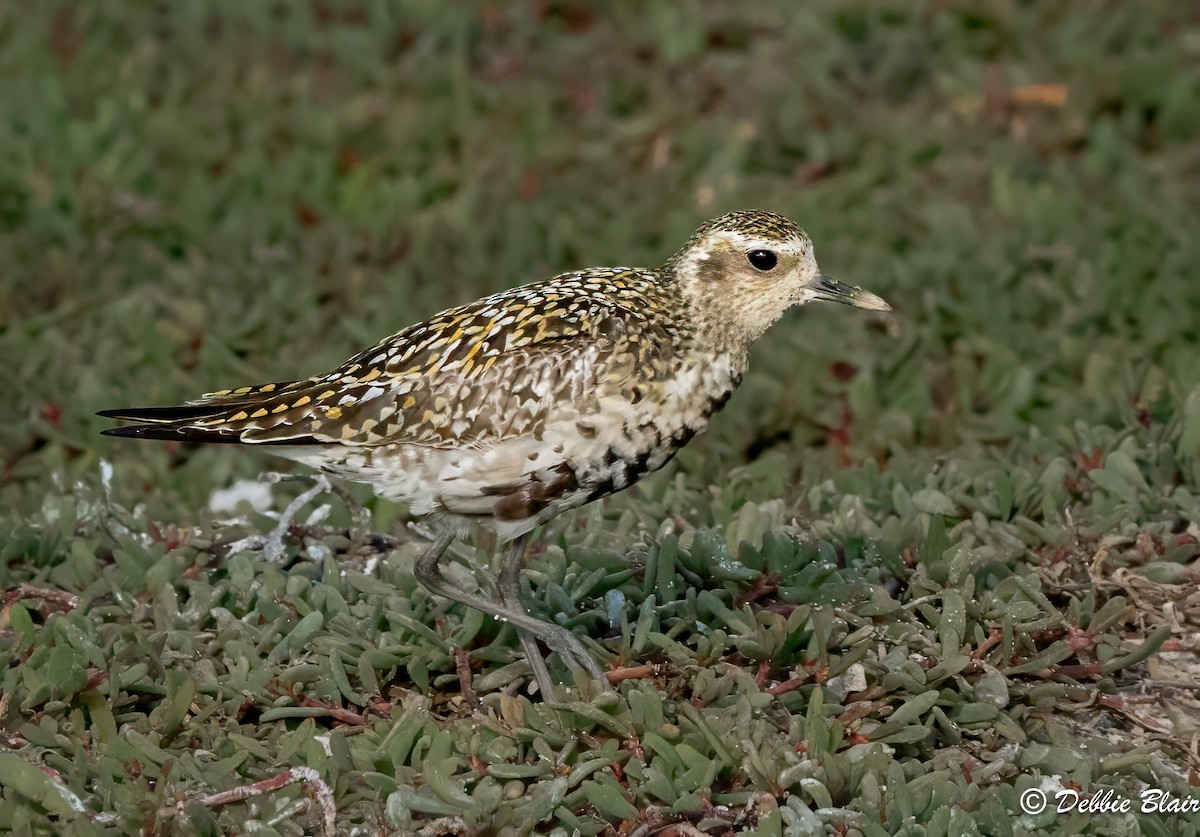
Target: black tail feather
column 181, row 431
column 173, row 433
column 155, row 415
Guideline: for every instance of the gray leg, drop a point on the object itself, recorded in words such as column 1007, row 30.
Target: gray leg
column 510, row 594
column 556, row 637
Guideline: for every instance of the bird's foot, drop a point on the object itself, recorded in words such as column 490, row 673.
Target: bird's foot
column 573, row 652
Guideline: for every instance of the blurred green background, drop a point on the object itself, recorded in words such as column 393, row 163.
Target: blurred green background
column 201, row 195
column 194, row 196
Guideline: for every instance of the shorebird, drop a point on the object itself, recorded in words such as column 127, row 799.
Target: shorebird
column 512, row 409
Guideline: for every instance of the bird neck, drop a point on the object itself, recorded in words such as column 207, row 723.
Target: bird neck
column 719, row 324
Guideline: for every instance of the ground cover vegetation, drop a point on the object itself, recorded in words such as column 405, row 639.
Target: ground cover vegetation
column 921, row 564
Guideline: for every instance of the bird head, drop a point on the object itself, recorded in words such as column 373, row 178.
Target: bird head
column 741, row 271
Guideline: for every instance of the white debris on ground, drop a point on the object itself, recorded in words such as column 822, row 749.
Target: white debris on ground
column 226, row 500
column 853, row 679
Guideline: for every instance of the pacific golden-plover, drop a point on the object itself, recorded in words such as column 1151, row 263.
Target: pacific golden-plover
column 529, row 402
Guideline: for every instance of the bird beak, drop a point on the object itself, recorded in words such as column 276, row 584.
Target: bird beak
column 828, row 288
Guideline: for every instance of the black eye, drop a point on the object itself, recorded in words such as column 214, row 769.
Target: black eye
column 762, row 259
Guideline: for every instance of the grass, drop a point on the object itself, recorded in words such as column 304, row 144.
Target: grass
column 918, row 566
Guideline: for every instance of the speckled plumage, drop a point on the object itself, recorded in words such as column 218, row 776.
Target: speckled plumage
column 520, row 405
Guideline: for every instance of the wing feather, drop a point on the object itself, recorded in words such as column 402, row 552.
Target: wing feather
column 469, row 376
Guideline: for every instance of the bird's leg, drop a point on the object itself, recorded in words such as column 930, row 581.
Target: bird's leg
column 509, row 583
column 556, row 637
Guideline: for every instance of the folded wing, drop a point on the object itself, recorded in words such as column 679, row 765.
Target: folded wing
column 472, row 375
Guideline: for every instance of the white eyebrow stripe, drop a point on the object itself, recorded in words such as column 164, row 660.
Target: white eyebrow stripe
column 792, row 247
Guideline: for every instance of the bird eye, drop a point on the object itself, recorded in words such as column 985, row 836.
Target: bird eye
column 762, row 259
